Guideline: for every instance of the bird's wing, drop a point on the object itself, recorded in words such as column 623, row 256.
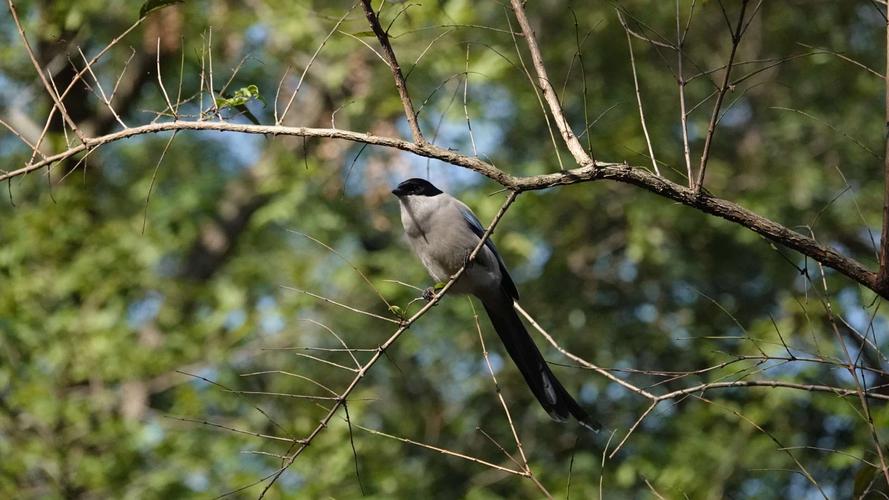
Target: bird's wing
column 476, row 227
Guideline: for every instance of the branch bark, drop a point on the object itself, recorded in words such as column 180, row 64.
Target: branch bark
column 400, row 83
column 549, row 93
column 882, row 281
column 627, row 174
column 714, row 117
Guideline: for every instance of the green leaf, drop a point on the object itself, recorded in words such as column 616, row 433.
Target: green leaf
column 397, row 311
column 241, row 97
column 364, row 33
column 438, row 286
column 152, row 5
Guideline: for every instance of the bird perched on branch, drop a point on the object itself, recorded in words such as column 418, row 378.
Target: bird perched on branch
column 443, row 232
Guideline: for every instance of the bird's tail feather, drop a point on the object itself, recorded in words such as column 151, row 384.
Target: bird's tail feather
column 521, row 348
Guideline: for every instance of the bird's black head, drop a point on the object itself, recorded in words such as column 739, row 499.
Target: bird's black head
column 416, row 187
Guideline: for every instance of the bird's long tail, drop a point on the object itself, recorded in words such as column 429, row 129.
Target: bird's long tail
column 521, row 348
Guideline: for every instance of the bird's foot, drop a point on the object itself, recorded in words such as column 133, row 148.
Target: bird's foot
column 467, row 262
column 429, row 294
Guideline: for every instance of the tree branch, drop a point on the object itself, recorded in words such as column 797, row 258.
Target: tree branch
column 601, row 171
column 714, row 117
column 400, row 83
column 549, row 93
column 53, row 93
column 304, row 443
column 882, row 282
column 639, row 95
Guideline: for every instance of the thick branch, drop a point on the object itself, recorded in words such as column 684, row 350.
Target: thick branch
column 400, row 83
column 601, row 171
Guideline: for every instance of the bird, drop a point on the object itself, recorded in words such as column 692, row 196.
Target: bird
column 443, row 232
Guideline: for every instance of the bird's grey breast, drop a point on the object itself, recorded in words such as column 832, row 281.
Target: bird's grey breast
column 438, row 234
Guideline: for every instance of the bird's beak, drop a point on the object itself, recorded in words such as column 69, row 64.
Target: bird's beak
column 398, row 192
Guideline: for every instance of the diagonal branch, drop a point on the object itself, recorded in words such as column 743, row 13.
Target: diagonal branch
column 627, row 174
column 549, row 93
column 883, row 273
column 53, row 93
column 714, row 117
column 638, row 94
column 381, row 350
column 400, row 83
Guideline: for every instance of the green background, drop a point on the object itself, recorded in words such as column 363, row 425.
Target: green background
column 107, row 295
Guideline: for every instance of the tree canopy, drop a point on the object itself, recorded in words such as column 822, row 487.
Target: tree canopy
column 200, row 258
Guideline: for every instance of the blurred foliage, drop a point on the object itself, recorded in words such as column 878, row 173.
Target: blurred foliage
column 116, row 305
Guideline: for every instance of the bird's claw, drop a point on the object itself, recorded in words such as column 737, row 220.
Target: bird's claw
column 429, row 294
column 467, row 261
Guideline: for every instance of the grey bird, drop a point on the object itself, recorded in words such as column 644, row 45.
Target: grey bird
column 443, row 231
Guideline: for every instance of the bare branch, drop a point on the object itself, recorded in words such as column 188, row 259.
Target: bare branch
column 700, row 388
column 639, row 96
column 549, row 94
column 601, row 171
column 680, row 79
column 302, row 77
column 230, row 429
column 400, row 83
column 535, row 87
column 160, row 80
column 583, row 362
column 101, row 94
column 443, row 451
column 303, row 444
column 53, row 93
column 515, row 434
column 882, row 282
column 711, row 128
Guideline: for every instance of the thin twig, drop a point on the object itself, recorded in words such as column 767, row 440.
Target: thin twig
column 231, row 429
column 515, row 434
column 723, row 89
column 465, row 107
column 160, row 80
column 334, row 334
column 336, row 27
column 101, row 94
column 302, row 445
column 580, row 360
column 214, row 107
column 53, row 93
column 639, row 96
column 349, row 263
column 157, row 167
column 632, row 428
column 340, row 304
column 443, row 451
column 680, row 79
